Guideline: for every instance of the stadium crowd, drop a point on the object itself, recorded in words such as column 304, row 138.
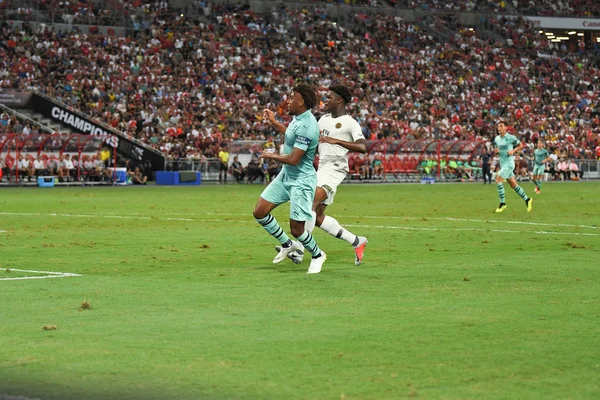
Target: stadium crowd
column 185, row 86
column 554, row 8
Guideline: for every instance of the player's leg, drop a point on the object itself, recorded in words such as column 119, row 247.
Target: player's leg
column 538, row 173
column 298, row 255
column 335, row 229
column 501, row 192
column 519, row 190
column 274, row 195
column 302, row 193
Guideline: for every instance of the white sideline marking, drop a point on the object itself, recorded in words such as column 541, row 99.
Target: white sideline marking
column 50, row 274
column 2, row 231
column 407, row 228
column 449, row 219
column 96, row 215
column 9, row 397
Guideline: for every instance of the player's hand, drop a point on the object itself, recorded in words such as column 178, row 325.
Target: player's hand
column 266, row 155
column 269, row 115
column 496, row 151
column 327, row 139
column 511, row 152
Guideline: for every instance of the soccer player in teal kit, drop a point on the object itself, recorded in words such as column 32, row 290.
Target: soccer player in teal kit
column 506, row 145
column 297, row 181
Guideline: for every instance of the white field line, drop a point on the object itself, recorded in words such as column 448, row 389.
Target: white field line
column 407, row 228
column 113, row 216
column 449, row 219
column 9, row 397
column 2, row 231
column 49, row 274
column 130, row 215
column 140, row 217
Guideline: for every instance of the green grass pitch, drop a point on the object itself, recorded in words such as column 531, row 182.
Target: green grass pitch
column 452, row 301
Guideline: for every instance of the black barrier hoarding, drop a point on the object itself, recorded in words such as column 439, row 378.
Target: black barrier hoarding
column 15, row 98
column 84, row 124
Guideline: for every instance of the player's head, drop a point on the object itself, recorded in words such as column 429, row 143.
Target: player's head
column 304, row 98
column 337, row 97
column 501, row 127
column 540, row 144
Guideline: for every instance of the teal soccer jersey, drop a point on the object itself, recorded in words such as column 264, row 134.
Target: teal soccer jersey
column 303, row 133
column 540, row 155
column 507, row 163
column 297, row 184
column 504, row 145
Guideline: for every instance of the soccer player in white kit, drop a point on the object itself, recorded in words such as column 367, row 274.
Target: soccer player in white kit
column 340, row 133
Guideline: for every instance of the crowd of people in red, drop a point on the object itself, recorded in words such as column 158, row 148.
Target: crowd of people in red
column 184, row 86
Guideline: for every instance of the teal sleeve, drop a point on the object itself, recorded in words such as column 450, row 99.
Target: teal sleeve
column 302, row 140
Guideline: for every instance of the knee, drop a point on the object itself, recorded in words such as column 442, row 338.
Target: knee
column 297, row 230
column 258, row 213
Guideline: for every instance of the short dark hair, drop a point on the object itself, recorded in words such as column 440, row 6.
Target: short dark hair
column 308, row 94
column 343, row 92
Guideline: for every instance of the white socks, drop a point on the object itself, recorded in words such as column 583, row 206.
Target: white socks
column 331, row 226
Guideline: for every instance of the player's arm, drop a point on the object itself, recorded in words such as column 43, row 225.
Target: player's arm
column 495, row 148
column 270, row 116
column 516, row 149
column 291, row 159
column 359, row 146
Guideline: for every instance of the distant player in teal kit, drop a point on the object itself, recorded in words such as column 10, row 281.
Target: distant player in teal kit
column 541, row 157
column 297, row 181
column 506, row 145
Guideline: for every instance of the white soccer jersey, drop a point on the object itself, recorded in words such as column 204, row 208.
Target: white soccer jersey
column 343, row 128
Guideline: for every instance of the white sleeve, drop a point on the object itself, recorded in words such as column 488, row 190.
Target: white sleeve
column 356, row 131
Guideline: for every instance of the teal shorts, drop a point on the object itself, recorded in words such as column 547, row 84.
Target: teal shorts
column 538, row 170
column 507, row 171
column 300, row 192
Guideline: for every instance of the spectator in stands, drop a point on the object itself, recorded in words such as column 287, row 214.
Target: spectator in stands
column 38, row 165
column 25, row 168
column 574, row 172
column 66, row 168
column 77, row 166
column 563, row 169
column 452, row 168
column 254, row 171
column 137, row 178
column 366, row 169
column 52, row 165
column 89, row 168
column 378, row 166
column 237, row 170
column 17, row 126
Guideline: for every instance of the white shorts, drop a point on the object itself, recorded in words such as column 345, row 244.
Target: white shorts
column 329, row 177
